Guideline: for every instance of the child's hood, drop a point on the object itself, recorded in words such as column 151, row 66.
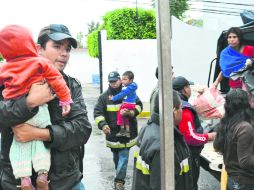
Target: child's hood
column 16, row 41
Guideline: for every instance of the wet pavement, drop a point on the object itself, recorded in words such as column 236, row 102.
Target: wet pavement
column 98, row 162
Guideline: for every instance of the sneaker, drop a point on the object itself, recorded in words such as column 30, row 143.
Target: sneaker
column 128, row 134
column 42, row 182
column 119, row 186
column 26, row 184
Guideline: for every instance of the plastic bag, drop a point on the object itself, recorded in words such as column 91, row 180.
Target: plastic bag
column 209, row 104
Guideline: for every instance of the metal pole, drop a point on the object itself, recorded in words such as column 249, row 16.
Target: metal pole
column 163, row 26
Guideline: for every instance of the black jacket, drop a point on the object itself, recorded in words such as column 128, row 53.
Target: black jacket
column 105, row 113
column 68, row 136
column 147, row 172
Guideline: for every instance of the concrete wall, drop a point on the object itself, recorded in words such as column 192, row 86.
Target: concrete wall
column 139, row 56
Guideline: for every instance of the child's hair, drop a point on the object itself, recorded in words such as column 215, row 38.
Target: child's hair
column 129, row 74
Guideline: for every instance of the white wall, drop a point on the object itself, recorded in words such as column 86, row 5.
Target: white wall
column 139, row 56
column 82, row 66
column 192, row 51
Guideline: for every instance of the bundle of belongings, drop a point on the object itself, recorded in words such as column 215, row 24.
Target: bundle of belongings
column 209, row 104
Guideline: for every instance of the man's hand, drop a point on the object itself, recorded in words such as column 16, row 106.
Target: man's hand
column 211, row 136
column 25, row 133
column 110, row 97
column 106, row 129
column 127, row 113
column 38, row 95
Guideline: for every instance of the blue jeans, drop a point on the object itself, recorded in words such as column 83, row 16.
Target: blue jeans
column 235, row 185
column 79, row 186
column 120, row 158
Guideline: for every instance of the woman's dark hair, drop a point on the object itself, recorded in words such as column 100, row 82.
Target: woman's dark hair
column 238, row 32
column 237, row 109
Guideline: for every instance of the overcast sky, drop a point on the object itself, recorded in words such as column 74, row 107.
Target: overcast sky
column 75, row 14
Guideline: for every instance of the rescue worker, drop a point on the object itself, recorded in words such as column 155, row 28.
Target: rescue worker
column 147, row 171
column 105, row 115
column 190, row 127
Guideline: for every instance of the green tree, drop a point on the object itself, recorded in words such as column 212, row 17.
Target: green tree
column 177, row 7
column 124, row 23
column 1, row 58
column 93, row 26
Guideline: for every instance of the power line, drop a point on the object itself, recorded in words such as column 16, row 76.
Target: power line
column 218, row 2
column 220, row 7
column 216, row 11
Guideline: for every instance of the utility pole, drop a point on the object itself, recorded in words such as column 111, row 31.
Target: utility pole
column 163, row 27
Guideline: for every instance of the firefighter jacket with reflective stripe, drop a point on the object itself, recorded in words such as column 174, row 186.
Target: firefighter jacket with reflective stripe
column 147, row 160
column 105, row 113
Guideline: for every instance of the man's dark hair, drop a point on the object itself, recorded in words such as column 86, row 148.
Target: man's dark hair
column 129, row 74
column 43, row 41
column 176, row 100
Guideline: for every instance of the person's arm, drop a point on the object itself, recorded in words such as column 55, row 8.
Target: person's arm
column 218, row 79
column 99, row 112
column 99, row 115
column 76, row 128
column 125, row 91
column 187, row 128
column 25, row 133
column 245, row 146
column 14, row 112
column 155, row 172
column 133, row 113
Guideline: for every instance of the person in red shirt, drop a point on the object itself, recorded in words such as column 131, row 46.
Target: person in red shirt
column 190, row 126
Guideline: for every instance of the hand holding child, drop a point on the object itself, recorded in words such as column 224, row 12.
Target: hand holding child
column 66, row 109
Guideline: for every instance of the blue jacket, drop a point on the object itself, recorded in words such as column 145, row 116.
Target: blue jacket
column 128, row 93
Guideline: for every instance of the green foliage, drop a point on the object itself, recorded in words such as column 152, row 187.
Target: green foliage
column 92, row 44
column 125, row 23
column 194, row 22
column 1, row 58
column 92, row 26
column 177, row 7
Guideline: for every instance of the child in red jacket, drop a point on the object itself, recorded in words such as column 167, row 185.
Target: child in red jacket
column 24, row 67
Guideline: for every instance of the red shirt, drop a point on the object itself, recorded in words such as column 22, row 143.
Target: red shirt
column 187, row 128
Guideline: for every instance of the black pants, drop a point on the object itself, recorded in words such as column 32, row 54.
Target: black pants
column 195, row 169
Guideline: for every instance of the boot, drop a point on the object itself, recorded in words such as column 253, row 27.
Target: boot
column 121, row 132
column 119, row 185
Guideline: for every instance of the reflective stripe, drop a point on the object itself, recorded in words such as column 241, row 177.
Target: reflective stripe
column 184, row 166
column 113, row 107
column 130, row 144
column 99, row 119
column 138, row 108
column 142, row 166
column 135, row 154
